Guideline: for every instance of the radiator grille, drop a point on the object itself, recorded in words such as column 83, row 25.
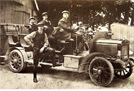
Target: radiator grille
column 125, row 52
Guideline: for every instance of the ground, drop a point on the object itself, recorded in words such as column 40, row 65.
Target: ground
column 55, row 78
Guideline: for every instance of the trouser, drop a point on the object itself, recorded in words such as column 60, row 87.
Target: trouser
column 37, row 55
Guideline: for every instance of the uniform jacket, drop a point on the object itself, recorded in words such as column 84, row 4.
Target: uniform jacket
column 50, row 27
column 65, row 25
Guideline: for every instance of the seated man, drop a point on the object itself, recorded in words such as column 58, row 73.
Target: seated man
column 48, row 28
column 47, row 24
column 65, row 26
column 66, row 32
column 38, row 40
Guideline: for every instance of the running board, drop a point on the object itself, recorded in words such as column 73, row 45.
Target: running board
column 41, row 63
column 44, row 63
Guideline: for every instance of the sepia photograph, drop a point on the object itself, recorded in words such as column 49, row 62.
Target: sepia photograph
column 66, row 44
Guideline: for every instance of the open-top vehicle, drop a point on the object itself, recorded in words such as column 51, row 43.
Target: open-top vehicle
column 106, row 57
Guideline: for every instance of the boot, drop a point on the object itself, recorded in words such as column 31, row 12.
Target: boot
column 35, row 80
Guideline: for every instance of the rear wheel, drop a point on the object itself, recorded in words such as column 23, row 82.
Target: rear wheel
column 16, row 61
column 125, row 72
column 101, row 71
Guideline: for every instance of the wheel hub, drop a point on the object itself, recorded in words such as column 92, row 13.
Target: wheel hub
column 15, row 60
column 99, row 71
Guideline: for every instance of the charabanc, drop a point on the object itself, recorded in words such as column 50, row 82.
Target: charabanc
column 102, row 58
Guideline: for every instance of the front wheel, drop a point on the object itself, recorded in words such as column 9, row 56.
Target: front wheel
column 101, row 71
column 16, row 61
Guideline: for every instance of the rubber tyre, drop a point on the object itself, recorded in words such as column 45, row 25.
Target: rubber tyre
column 101, row 71
column 16, row 61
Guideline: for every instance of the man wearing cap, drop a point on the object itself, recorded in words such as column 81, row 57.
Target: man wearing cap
column 67, row 32
column 48, row 28
column 47, row 24
column 32, row 24
column 38, row 40
column 65, row 26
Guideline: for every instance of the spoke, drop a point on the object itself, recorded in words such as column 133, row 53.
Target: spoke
column 105, row 77
column 19, row 59
column 95, row 76
column 106, row 73
column 13, row 55
column 16, row 54
column 11, row 61
column 104, row 65
column 106, row 68
column 124, row 72
column 19, row 65
column 99, row 78
column 120, row 72
column 19, row 62
column 100, row 63
column 14, row 66
column 97, row 64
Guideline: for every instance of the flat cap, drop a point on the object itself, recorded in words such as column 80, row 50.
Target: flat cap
column 65, row 11
column 31, row 18
column 44, row 13
column 41, row 23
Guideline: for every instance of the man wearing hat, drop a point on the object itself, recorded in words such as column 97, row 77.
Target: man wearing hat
column 32, row 24
column 38, row 40
column 48, row 28
column 64, row 24
column 67, row 32
column 47, row 24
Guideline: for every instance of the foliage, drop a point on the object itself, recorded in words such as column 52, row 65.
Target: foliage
column 101, row 13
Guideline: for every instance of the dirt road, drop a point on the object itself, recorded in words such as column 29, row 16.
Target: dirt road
column 55, row 79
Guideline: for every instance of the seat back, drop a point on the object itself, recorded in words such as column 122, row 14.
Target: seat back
column 10, row 40
column 23, row 42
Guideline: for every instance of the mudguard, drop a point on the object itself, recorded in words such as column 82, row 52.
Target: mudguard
column 85, row 62
column 22, row 50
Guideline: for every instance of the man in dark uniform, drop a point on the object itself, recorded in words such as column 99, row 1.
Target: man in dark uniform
column 47, row 24
column 48, row 28
column 67, row 33
column 32, row 25
column 39, row 41
column 64, row 24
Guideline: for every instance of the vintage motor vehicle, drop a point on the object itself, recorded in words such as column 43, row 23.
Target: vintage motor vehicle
column 105, row 58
